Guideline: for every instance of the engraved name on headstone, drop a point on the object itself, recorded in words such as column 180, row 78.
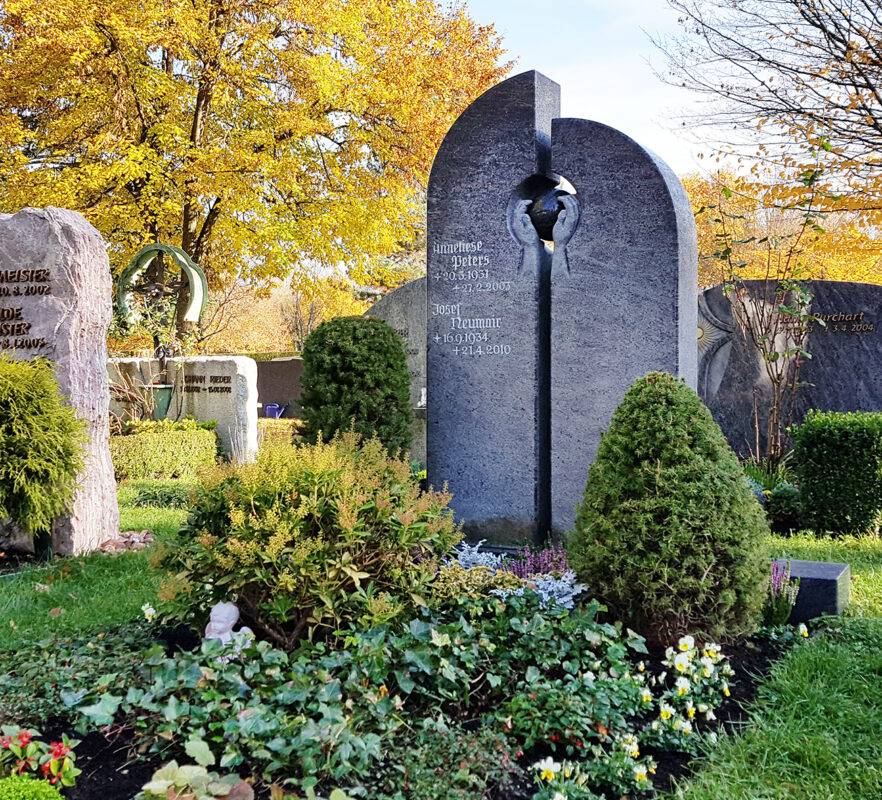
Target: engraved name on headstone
column 842, row 374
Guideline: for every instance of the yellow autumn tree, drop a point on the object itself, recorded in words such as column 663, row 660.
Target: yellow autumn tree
column 762, row 221
column 259, row 135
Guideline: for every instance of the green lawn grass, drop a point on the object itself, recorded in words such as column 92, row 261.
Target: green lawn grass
column 815, row 730
column 75, row 596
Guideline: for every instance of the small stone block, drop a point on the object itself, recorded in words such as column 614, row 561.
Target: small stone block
column 823, row 588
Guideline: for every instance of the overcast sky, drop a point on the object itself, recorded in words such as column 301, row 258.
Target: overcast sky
column 600, row 53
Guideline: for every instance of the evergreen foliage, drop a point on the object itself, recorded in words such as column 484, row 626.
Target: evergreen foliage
column 21, row 787
column 163, row 454
column 839, row 465
column 355, row 376
column 669, row 534
column 41, row 446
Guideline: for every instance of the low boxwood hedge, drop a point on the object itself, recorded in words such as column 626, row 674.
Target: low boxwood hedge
column 839, row 465
column 166, row 454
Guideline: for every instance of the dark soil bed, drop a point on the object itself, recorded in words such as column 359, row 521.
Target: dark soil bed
column 111, row 773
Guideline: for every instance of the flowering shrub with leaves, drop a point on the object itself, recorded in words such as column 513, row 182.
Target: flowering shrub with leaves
column 781, row 596
column 695, row 684
column 311, row 539
column 538, row 572
column 22, row 752
column 549, row 560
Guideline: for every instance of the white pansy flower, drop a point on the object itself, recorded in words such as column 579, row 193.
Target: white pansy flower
column 548, row 768
column 686, row 643
column 683, row 686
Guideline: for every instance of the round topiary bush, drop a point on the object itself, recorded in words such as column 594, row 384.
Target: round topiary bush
column 669, row 535
column 41, row 446
column 355, row 376
column 21, row 787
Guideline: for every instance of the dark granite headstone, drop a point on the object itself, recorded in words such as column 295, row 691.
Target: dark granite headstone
column 531, row 348
column 405, row 311
column 482, row 314
column 842, row 375
column 623, row 299
column 823, row 588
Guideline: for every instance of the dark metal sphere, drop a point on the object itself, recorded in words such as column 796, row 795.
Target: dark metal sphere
column 544, row 210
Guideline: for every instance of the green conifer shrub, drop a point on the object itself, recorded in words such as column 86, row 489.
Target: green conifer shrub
column 355, row 376
column 669, row 535
column 41, row 446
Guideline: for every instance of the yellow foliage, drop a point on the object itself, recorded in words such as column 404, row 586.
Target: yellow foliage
column 259, row 135
column 763, row 225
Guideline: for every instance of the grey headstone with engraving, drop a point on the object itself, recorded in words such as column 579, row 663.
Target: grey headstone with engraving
column 842, row 374
column 531, row 347
column 405, row 310
column 623, row 299
column 483, row 369
column 222, row 388
column 55, row 302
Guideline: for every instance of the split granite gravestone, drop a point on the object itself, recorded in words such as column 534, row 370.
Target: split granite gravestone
column 842, row 374
column 531, row 348
column 55, row 303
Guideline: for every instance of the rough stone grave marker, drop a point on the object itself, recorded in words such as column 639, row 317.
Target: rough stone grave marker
column 55, row 302
column 842, row 375
column 530, row 349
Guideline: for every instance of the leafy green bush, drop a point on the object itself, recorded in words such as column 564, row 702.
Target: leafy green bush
column 444, row 763
column 669, row 535
column 282, row 429
column 312, row 538
column 48, row 678
column 172, row 453
column 193, row 782
column 454, row 581
column 355, row 376
column 839, row 465
column 20, row 787
column 784, row 507
column 322, row 717
column 41, row 446
column 163, row 495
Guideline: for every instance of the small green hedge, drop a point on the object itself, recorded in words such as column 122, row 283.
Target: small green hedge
column 839, row 465
column 21, row 787
column 170, row 454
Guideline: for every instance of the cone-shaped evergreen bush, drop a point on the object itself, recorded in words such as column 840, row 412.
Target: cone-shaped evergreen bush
column 669, row 535
column 41, row 446
column 355, row 376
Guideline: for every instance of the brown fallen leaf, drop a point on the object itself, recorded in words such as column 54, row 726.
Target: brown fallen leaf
column 56, row 611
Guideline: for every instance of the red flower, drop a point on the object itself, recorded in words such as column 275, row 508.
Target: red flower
column 59, row 749
column 24, row 737
column 5, row 742
column 554, row 737
column 46, row 767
